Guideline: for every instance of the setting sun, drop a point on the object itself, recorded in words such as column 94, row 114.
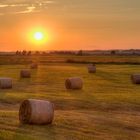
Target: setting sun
column 38, row 36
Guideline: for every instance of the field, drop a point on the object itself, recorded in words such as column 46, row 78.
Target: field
column 107, row 108
column 54, row 58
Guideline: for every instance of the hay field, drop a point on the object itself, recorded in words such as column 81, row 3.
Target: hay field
column 57, row 58
column 107, row 108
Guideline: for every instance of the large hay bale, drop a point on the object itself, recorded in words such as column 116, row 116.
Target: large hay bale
column 34, row 66
column 36, row 112
column 5, row 83
column 91, row 68
column 74, row 83
column 135, row 78
column 25, row 73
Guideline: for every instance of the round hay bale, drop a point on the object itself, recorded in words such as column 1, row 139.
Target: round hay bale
column 34, row 66
column 135, row 78
column 5, row 83
column 74, row 83
column 91, row 68
column 36, row 112
column 25, row 74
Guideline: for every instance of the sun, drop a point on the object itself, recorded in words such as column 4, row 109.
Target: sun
column 38, row 36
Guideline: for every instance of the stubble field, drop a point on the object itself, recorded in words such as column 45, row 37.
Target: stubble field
column 107, row 108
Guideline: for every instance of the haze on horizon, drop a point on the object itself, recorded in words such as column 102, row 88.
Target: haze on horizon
column 70, row 24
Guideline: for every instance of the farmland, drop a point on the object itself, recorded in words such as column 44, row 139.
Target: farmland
column 107, row 108
column 55, row 58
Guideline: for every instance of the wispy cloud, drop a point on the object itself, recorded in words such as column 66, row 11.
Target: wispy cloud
column 23, row 6
column 3, row 5
column 28, row 10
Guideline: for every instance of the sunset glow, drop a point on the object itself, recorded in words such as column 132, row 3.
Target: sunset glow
column 87, row 25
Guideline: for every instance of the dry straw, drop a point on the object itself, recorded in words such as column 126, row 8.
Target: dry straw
column 5, row 83
column 74, row 83
column 135, row 78
column 91, row 68
column 25, row 74
column 36, row 112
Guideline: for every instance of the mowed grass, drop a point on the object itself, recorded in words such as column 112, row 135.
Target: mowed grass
column 54, row 58
column 107, row 108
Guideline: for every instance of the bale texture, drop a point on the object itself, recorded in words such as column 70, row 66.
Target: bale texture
column 135, row 78
column 91, row 68
column 5, row 83
column 74, row 83
column 34, row 66
column 25, row 74
column 36, row 112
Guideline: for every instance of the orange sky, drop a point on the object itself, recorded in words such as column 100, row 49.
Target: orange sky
column 75, row 24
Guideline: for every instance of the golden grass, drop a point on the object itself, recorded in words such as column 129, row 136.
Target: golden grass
column 107, row 108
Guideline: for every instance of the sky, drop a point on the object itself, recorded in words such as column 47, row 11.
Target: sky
column 70, row 24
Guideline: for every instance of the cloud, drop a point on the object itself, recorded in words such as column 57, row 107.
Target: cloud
column 23, row 6
column 28, row 10
column 3, row 5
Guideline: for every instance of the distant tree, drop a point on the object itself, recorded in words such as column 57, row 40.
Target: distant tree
column 80, row 53
column 24, row 52
column 29, row 53
column 37, row 53
column 113, row 52
column 17, row 52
